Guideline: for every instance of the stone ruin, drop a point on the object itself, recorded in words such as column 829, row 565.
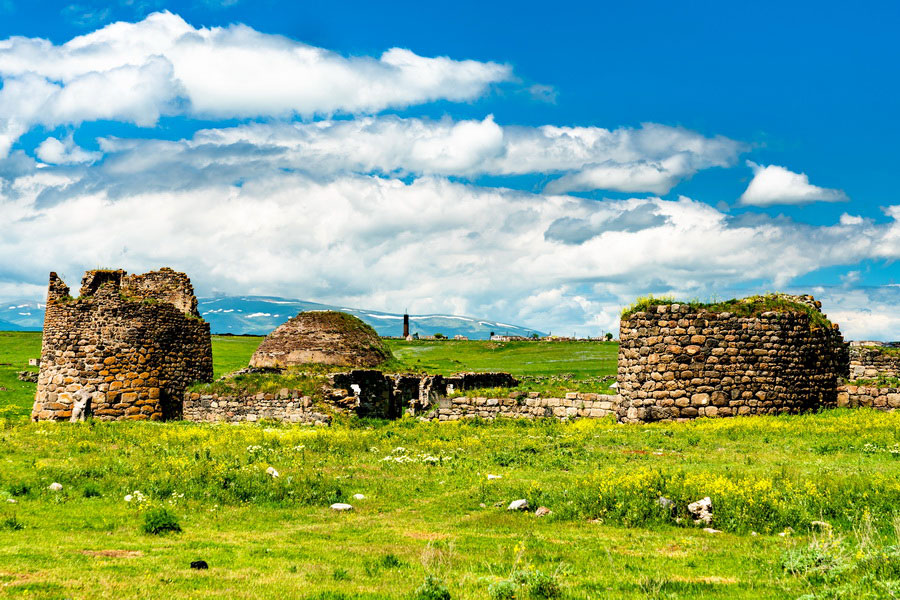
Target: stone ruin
column 679, row 362
column 126, row 348
column 321, row 337
column 363, row 392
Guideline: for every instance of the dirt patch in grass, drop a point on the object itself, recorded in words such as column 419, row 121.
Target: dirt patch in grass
column 425, row 535
column 114, row 553
column 707, row 579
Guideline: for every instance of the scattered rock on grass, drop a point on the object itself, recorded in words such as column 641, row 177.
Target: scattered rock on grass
column 55, row 487
column 358, row 497
column 701, row 510
column 28, row 376
column 518, row 505
column 199, row 564
column 711, row 530
column 666, row 503
column 542, row 511
column 271, row 471
column 340, row 506
column 823, row 525
column 494, row 476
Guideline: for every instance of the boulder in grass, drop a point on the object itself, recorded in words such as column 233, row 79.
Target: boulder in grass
column 701, row 510
column 543, row 511
column 341, row 507
column 55, row 487
column 518, row 505
column 358, row 497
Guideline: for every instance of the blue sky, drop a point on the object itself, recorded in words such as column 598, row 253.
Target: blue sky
column 527, row 162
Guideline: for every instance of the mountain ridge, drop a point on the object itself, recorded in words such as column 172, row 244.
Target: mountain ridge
column 258, row 315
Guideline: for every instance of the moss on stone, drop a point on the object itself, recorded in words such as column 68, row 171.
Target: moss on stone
column 752, row 306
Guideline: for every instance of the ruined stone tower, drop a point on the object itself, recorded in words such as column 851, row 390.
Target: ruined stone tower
column 759, row 355
column 126, row 348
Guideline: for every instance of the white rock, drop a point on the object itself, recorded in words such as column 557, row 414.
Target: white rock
column 518, row 505
column 701, row 510
column 711, row 530
column 11, row 500
column 56, row 487
column 358, row 497
column 495, row 476
column 128, row 497
column 340, row 506
column 271, row 471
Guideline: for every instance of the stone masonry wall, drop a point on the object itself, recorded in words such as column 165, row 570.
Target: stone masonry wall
column 364, row 392
column 287, row 405
column 868, row 362
column 879, row 398
column 122, row 350
column 677, row 364
column 527, row 406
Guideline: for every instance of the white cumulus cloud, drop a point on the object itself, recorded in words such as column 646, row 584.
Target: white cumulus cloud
column 136, row 72
column 772, row 184
column 468, row 148
column 65, row 151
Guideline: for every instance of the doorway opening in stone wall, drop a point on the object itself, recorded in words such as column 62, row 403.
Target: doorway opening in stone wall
column 171, row 406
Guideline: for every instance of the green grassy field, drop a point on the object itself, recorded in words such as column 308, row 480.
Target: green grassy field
column 580, row 359
column 430, row 508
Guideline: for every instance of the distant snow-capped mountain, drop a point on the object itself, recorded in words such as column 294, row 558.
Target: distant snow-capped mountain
column 262, row 314
column 21, row 315
column 241, row 315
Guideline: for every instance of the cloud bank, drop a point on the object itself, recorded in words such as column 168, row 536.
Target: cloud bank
column 431, row 244
column 136, row 72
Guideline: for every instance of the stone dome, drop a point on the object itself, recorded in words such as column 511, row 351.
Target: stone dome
column 321, row 337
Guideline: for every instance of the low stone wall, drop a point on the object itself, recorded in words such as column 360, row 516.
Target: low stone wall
column 868, row 362
column 286, row 405
column 880, row 398
column 529, row 406
column 363, row 392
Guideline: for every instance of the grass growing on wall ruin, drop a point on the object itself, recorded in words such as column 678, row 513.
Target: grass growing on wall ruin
column 424, row 487
column 742, row 307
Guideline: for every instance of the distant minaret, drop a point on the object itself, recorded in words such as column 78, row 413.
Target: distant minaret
column 405, row 325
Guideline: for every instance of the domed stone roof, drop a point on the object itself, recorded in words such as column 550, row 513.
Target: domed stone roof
column 322, row 337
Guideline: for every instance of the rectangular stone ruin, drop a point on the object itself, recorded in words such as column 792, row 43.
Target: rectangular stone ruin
column 126, row 348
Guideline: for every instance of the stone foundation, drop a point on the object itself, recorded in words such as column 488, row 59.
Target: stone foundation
column 286, row 405
column 880, row 398
column 528, row 406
